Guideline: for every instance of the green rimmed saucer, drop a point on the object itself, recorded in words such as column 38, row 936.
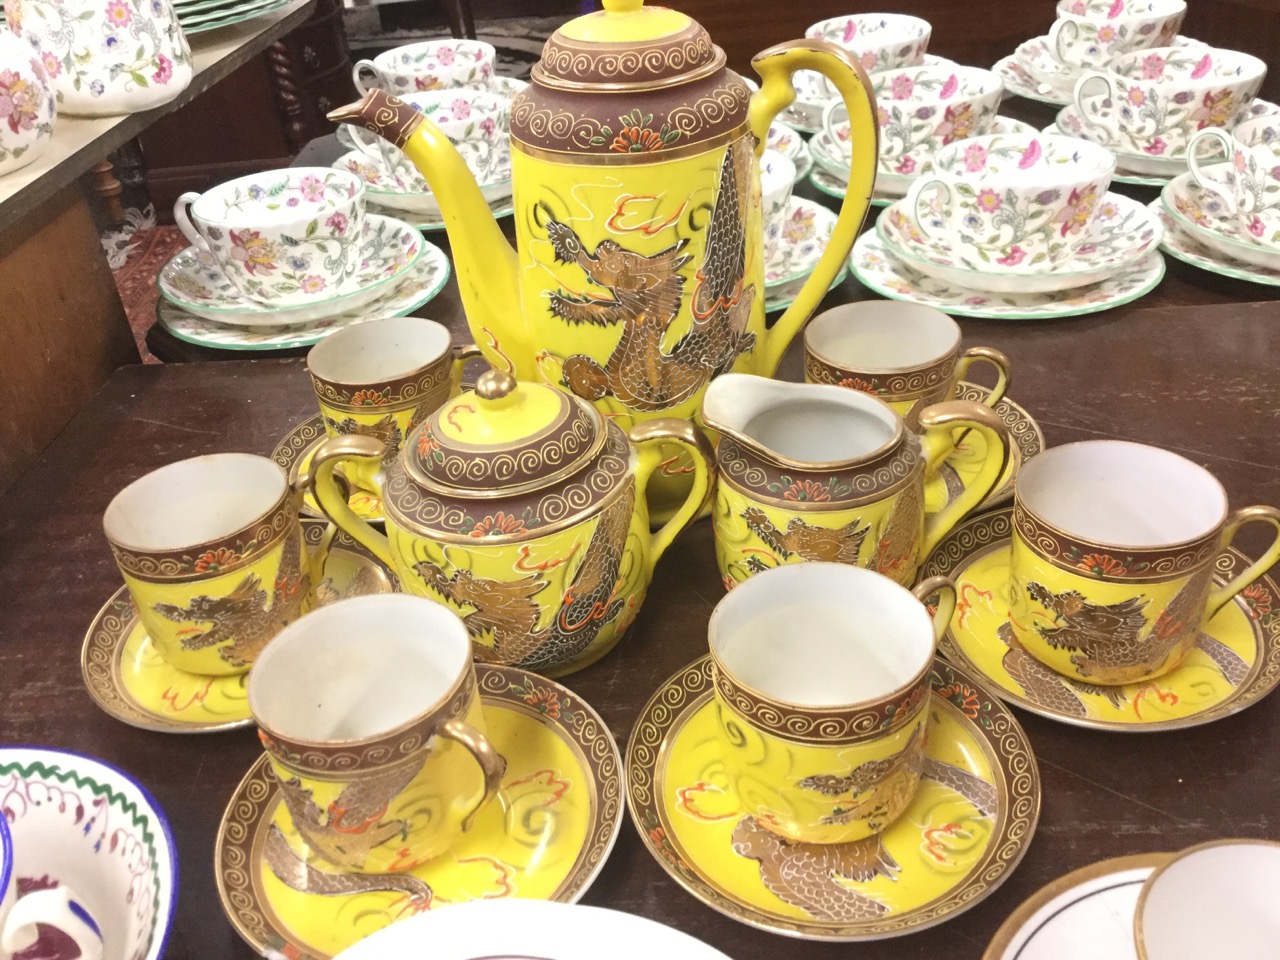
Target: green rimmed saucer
column 294, row 453
column 962, row 466
column 808, row 228
column 949, row 850
column 1236, row 665
column 234, row 16
column 1183, row 246
column 126, row 676
column 546, row 836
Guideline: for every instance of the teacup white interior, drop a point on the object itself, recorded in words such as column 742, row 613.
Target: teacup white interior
column 881, row 336
column 821, row 634
column 777, row 175
column 193, row 501
column 358, row 668
column 811, row 423
column 231, row 204
column 1122, row 494
column 378, row 350
column 1214, row 901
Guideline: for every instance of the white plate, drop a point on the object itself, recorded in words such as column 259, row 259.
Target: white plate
column 510, row 929
column 1017, row 79
column 1122, row 233
column 1180, row 244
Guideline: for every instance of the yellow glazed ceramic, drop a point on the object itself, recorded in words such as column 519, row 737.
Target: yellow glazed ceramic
column 381, row 379
column 1236, row 663
column 1114, row 546
column 522, row 508
column 126, row 676
column 821, row 674
column 967, row 827
column 556, row 817
column 294, row 453
column 638, row 273
column 211, row 551
column 817, row 472
column 370, row 717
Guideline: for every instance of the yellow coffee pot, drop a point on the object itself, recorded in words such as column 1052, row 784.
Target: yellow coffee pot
column 638, row 273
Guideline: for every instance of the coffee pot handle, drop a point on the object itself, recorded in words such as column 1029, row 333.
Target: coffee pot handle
column 331, row 496
column 775, row 67
column 1197, row 172
column 60, row 908
column 649, row 437
column 1222, row 596
column 946, row 591
column 938, row 421
column 492, row 765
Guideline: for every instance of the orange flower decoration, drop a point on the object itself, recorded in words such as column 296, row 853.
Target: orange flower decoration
column 546, row 702
column 1258, row 599
column 1103, row 564
column 964, row 697
column 807, row 491
column 635, row 140
column 370, row 398
column 427, row 444
column 213, row 560
column 497, row 525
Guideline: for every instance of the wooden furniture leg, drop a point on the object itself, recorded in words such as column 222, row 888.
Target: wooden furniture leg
column 284, row 82
column 106, row 186
column 462, row 21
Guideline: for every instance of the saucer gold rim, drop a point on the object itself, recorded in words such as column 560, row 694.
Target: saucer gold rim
column 1014, row 923
column 980, row 535
column 1008, row 750
column 292, row 451
column 110, row 629
column 241, row 829
column 1026, row 436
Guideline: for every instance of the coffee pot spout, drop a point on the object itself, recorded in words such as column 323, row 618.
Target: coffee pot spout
column 482, row 256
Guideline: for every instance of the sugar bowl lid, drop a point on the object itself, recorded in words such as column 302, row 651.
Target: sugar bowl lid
column 503, row 438
column 627, row 46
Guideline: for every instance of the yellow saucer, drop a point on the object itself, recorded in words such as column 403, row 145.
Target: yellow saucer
column 294, row 453
column 960, row 469
column 1237, row 664
column 127, row 677
column 545, row 837
column 967, row 828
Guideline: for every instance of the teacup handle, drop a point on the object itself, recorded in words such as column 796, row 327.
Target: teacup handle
column 1057, row 38
column 916, row 193
column 938, row 421
column 828, row 117
column 1245, row 515
column 367, row 143
column 986, row 355
column 362, row 84
column 946, row 591
column 1193, row 161
column 183, row 219
column 492, row 765
column 648, row 438
column 332, row 498
column 1077, row 95
column 59, row 907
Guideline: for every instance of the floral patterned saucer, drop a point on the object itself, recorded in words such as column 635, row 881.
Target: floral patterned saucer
column 545, row 837
column 126, row 676
column 805, row 234
column 420, row 283
column 963, row 464
column 1020, row 82
column 193, row 280
column 1236, row 665
column 788, row 141
column 970, row 822
column 1180, row 244
column 881, row 271
column 1087, row 913
column 1121, row 233
column 1201, row 213
column 384, row 194
column 233, row 16
column 294, row 454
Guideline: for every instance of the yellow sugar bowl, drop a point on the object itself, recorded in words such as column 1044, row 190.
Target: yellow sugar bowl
column 522, row 508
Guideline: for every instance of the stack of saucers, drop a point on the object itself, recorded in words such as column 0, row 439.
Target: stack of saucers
column 452, row 82
column 1088, row 35
column 1225, row 217
column 197, row 16
column 285, row 257
column 1017, row 225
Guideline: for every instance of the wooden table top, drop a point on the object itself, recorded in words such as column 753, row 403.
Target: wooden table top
column 1199, row 379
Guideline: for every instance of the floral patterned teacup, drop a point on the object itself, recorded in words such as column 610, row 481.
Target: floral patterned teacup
column 1157, row 99
column 106, row 57
column 1091, row 33
column 430, row 65
column 283, row 237
column 777, row 177
column 922, row 109
column 27, row 104
column 880, row 41
column 1253, row 176
column 1014, row 202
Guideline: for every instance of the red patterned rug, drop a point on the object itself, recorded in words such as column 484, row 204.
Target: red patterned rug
column 144, row 252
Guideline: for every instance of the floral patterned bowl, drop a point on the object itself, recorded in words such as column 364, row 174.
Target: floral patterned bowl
column 1157, row 99
column 281, row 237
column 81, row 822
column 1091, row 33
column 430, row 65
column 1012, row 203
column 27, row 105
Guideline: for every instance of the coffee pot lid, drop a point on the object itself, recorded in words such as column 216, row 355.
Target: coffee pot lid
column 627, row 46
column 504, row 437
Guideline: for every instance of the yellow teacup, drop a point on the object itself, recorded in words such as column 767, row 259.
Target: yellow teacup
column 211, row 550
column 1114, row 548
column 370, row 716
column 821, row 675
column 908, row 356
column 383, row 377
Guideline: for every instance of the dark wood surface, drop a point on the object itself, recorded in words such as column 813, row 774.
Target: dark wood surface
column 1200, row 379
